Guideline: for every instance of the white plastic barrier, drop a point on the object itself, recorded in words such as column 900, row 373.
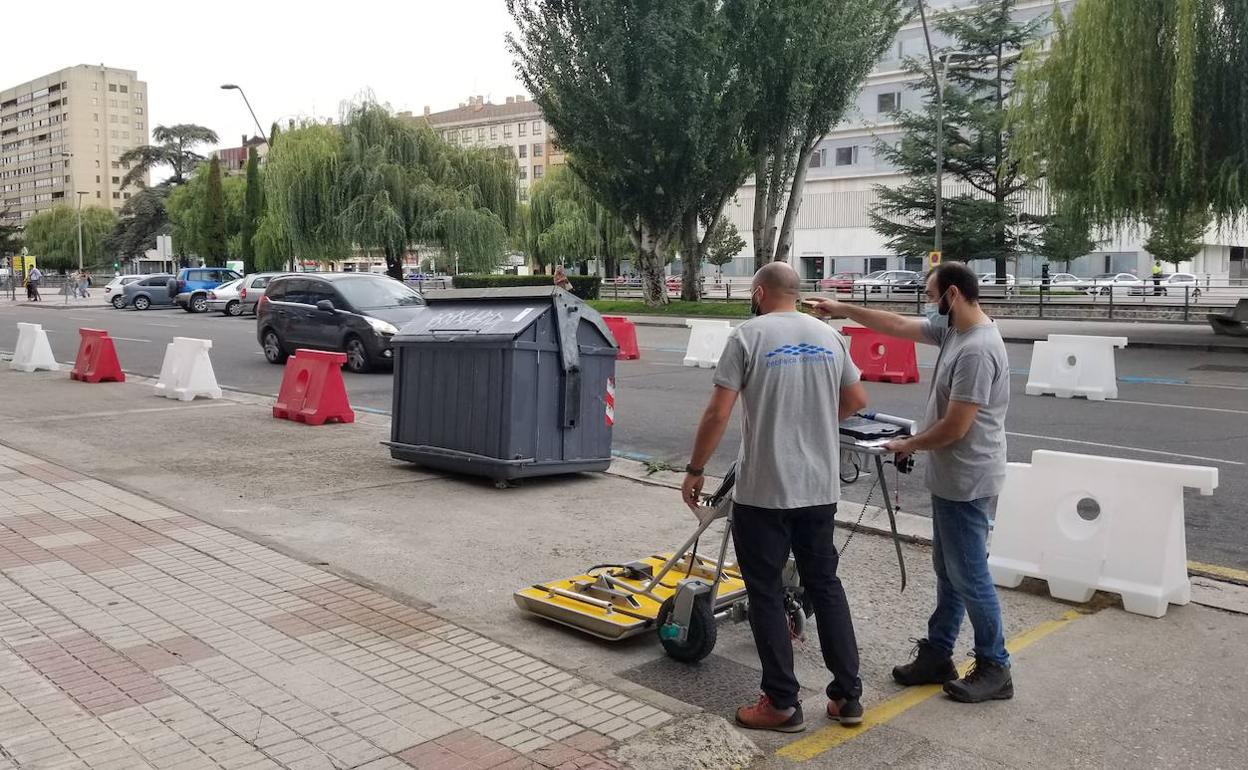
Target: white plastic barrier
column 1085, row 523
column 706, row 342
column 1075, row 365
column 186, row 371
column 33, row 351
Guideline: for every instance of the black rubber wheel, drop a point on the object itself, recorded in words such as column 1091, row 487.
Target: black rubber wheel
column 358, row 360
column 118, row 302
column 198, row 304
column 234, row 308
column 274, row 351
column 142, row 303
column 702, row 632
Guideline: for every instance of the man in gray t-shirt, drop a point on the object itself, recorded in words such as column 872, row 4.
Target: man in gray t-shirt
column 964, row 438
column 796, row 382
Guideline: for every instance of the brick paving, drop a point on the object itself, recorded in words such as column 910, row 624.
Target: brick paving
column 134, row 636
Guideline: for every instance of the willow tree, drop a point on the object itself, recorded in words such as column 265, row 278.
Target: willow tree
column 565, row 224
column 299, row 179
column 649, row 100
column 1141, row 105
column 52, row 235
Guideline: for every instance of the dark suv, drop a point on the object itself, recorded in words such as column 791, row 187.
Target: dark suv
column 354, row 313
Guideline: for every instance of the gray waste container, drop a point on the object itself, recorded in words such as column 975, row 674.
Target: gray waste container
column 504, row 383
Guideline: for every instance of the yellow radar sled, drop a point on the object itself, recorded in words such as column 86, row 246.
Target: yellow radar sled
column 680, row 594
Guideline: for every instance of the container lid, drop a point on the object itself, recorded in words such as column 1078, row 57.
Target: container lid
column 449, row 321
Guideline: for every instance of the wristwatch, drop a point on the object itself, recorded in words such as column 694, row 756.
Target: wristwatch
column 692, row 471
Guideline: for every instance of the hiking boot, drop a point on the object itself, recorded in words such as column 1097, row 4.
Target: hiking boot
column 931, row 665
column 764, row 716
column 985, row 681
column 847, row 711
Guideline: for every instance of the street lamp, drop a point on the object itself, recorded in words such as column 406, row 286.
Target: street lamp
column 233, row 87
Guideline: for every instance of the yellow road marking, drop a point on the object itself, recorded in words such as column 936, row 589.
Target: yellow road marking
column 1213, row 569
column 827, row 738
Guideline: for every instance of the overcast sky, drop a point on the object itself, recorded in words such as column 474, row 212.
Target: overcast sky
column 292, row 58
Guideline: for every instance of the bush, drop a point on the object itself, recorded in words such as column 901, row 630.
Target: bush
column 584, row 286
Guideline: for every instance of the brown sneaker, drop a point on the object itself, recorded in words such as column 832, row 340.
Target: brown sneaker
column 764, row 716
column 847, row 711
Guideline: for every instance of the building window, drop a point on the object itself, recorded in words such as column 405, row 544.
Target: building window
column 537, row 127
column 507, row 131
column 116, row 164
column 818, row 158
column 112, row 134
column 493, row 132
column 112, row 87
column 521, row 129
column 138, row 125
column 95, row 101
column 116, row 196
column 846, row 156
column 126, row 196
column 537, row 172
column 481, row 134
column 887, row 102
column 524, row 172
column 125, row 134
column 116, row 180
column 524, row 194
column 97, row 164
column 125, row 89
column 465, row 135
column 537, row 151
column 97, row 193
column 95, row 86
column 524, row 150
column 95, row 116
column 97, row 178
column 112, row 118
column 112, row 103
column 138, row 110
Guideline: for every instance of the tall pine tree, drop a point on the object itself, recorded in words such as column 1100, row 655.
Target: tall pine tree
column 253, row 209
column 216, row 239
column 982, row 217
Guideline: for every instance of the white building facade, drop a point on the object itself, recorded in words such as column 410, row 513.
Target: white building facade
column 833, row 232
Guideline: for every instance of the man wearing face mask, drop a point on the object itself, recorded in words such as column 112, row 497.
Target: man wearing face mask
column 964, row 436
column 796, row 383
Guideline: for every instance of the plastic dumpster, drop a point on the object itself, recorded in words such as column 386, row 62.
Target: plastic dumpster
column 505, row 383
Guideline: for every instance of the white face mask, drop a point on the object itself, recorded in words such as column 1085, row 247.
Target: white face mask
column 939, row 319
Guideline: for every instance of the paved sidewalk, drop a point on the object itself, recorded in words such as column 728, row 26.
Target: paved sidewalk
column 134, row 636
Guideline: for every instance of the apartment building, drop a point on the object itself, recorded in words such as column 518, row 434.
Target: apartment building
column 234, row 159
column 833, row 232
column 517, row 124
column 64, row 134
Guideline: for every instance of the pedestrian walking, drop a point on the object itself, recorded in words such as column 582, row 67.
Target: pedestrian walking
column 796, row 383
column 1156, row 277
column 32, row 284
column 964, row 438
column 83, row 283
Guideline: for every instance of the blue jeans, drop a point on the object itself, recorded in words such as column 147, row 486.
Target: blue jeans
column 963, row 585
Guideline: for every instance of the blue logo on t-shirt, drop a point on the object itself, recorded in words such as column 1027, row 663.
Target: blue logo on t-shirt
column 801, row 353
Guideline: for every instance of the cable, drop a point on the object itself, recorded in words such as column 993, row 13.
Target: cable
column 854, row 529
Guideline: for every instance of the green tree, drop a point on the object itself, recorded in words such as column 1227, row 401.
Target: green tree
column 809, row 58
column 143, row 217
column 299, row 193
column 1141, row 104
column 985, row 221
column 564, row 224
column 1175, row 236
column 253, row 210
column 176, row 149
column 215, row 247
column 192, row 223
column 52, row 236
column 725, row 244
column 650, row 100
column 10, row 235
column 1066, row 235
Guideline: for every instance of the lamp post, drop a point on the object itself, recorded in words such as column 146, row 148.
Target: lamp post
column 232, row 87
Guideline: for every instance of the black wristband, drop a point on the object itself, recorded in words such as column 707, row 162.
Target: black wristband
column 692, row 471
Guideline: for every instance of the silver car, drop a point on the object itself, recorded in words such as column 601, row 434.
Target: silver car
column 224, row 298
column 252, row 289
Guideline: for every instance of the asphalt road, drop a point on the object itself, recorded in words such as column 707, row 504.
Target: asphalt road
column 1203, row 421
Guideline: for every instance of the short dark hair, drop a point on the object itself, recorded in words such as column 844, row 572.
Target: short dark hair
column 959, row 275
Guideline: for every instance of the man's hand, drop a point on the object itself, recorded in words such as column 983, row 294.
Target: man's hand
column 902, row 448
column 826, row 308
column 691, row 490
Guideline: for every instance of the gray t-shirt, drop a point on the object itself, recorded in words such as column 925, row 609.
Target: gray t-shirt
column 972, row 367
column 789, row 369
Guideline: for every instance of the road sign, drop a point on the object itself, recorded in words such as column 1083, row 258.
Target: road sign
column 933, row 258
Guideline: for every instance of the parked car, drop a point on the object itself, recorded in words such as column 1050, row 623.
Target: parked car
column 252, row 289
column 990, row 280
column 224, row 299
column 882, row 280
column 192, row 284
column 112, row 289
column 1107, row 282
column 149, row 291
column 839, row 282
column 354, row 313
column 1179, row 282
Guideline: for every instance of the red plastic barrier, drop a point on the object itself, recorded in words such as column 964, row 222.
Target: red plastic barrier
column 97, row 358
column 882, row 358
column 625, row 332
column 312, row 389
